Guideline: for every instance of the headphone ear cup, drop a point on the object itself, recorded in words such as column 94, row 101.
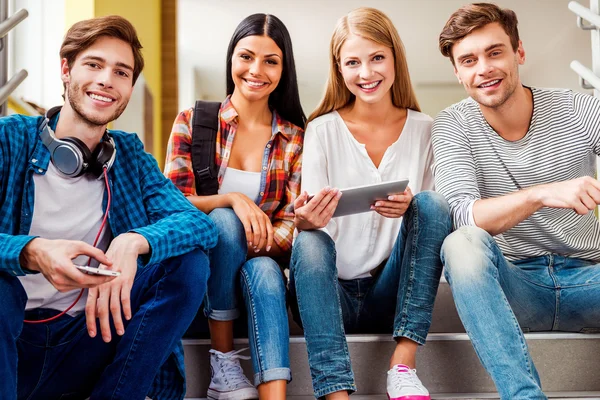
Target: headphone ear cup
column 102, row 155
column 77, row 146
column 85, row 152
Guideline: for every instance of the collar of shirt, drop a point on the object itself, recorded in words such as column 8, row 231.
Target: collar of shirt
column 278, row 125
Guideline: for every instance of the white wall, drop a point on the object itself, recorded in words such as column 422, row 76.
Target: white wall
column 548, row 30
column 132, row 119
column 34, row 45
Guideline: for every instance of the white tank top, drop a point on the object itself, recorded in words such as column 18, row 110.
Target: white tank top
column 70, row 209
column 245, row 182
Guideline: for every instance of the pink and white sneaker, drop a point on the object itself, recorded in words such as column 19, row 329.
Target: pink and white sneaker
column 404, row 384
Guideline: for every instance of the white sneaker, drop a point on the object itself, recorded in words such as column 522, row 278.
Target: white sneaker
column 228, row 381
column 404, row 384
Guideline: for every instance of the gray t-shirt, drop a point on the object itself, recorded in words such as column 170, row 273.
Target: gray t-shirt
column 70, row 209
column 473, row 162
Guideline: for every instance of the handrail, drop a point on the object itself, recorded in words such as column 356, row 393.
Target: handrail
column 11, row 85
column 586, row 75
column 10, row 23
column 20, row 106
column 6, row 24
column 585, row 13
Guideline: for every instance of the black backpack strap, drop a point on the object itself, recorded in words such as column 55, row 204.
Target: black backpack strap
column 205, row 126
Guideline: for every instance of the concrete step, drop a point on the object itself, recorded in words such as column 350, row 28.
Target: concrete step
column 466, row 396
column 569, row 364
column 470, row 396
column 445, row 318
column 447, row 364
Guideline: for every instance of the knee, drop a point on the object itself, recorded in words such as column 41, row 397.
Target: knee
column 432, row 206
column 11, row 291
column 466, row 253
column 262, row 276
column 313, row 254
column 12, row 311
column 230, row 228
column 191, row 275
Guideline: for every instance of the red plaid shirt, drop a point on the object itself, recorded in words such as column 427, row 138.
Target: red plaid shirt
column 280, row 177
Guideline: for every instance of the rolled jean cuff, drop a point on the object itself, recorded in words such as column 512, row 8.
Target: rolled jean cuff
column 223, row 315
column 350, row 387
column 273, row 374
column 399, row 333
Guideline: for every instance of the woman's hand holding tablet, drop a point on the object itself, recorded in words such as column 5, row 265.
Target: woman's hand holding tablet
column 314, row 212
column 360, row 199
column 395, row 206
column 389, row 199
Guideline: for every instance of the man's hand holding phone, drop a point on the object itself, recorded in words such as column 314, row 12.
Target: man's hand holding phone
column 53, row 258
column 97, row 271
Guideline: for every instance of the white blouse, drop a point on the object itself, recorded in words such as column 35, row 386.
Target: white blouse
column 333, row 157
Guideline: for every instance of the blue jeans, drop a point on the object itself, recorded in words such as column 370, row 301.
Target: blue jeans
column 495, row 298
column 263, row 290
column 399, row 299
column 59, row 360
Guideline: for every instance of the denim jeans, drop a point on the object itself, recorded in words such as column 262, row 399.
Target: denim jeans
column 495, row 298
column 262, row 287
column 59, row 360
column 399, row 299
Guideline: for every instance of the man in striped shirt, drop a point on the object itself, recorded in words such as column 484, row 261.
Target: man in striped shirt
column 516, row 165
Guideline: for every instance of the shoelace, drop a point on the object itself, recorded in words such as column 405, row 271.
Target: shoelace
column 405, row 378
column 233, row 370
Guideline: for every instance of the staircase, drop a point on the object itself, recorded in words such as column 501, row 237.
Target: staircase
column 568, row 363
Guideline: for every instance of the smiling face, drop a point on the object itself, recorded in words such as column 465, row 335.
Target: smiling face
column 487, row 66
column 99, row 83
column 256, row 67
column 367, row 68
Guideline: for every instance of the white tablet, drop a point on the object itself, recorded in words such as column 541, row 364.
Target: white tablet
column 359, row 199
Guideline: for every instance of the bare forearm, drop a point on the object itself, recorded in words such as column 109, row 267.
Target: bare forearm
column 499, row 214
column 208, row 203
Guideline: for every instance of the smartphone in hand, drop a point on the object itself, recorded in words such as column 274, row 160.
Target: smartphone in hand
column 97, row 271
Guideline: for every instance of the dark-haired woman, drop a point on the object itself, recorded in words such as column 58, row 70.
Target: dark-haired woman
column 259, row 144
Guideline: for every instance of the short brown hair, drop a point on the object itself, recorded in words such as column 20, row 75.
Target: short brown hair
column 474, row 16
column 83, row 34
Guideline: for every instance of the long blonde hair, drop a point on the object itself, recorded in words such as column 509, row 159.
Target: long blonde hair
column 374, row 25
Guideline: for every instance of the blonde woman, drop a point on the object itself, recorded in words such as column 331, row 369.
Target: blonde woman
column 376, row 271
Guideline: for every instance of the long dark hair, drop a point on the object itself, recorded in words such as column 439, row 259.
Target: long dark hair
column 285, row 98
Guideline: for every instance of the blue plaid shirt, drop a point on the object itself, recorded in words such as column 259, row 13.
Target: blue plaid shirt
column 144, row 201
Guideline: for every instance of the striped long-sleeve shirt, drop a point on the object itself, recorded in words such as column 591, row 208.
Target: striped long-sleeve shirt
column 473, row 162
